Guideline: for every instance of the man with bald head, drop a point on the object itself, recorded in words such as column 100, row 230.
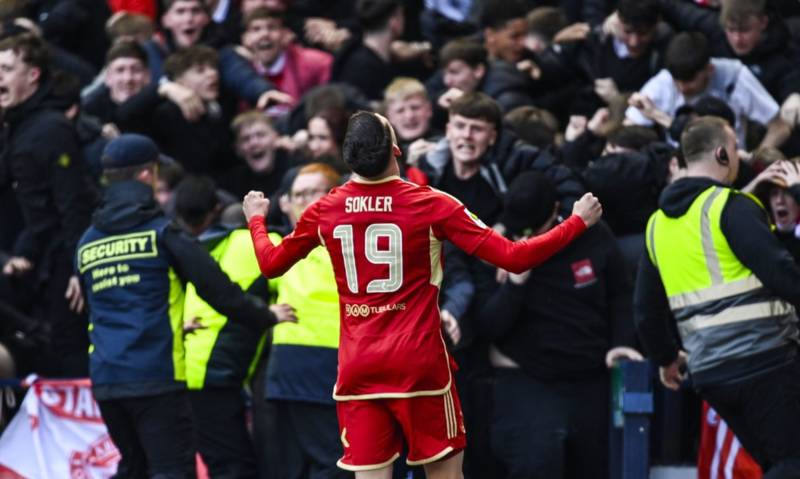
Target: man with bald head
column 714, row 265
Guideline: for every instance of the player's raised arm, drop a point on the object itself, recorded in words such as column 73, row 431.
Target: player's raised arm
column 275, row 260
column 520, row 256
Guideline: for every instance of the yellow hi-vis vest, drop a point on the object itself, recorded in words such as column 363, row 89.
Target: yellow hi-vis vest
column 722, row 309
column 310, row 287
column 223, row 354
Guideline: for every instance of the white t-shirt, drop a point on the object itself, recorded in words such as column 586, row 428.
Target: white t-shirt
column 731, row 82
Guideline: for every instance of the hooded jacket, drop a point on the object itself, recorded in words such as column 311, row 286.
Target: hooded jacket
column 628, row 185
column 745, row 227
column 559, row 324
column 137, row 349
column 42, row 161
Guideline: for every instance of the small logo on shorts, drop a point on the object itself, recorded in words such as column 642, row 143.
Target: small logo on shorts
column 344, row 438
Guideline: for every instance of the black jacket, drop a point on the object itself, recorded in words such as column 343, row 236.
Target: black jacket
column 746, row 228
column 98, row 103
column 507, row 85
column 595, row 58
column 359, row 66
column 42, row 158
column 134, row 115
column 241, row 179
column 628, row 185
column 574, row 307
column 201, row 147
column 76, row 25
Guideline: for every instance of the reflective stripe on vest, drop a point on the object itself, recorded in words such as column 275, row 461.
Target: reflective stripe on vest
column 697, row 265
column 310, row 287
column 711, row 293
column 136, row 305
column 236, row 257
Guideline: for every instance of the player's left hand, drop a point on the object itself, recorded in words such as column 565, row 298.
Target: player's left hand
column 255, row 204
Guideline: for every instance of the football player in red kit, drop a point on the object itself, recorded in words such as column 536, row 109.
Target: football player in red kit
column 384, row 236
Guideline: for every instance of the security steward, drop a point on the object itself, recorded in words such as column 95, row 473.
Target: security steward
column 221, row 353
column 133, row 264
column 714, row 265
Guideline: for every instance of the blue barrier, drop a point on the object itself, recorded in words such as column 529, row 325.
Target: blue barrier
column 632, row 406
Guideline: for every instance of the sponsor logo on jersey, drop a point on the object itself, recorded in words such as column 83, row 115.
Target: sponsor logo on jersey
column 363, row 310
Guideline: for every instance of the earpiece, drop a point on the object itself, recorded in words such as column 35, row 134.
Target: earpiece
column 722, row 156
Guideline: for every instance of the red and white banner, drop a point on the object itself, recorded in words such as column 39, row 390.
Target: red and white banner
column 721, row 455
column 58, row 433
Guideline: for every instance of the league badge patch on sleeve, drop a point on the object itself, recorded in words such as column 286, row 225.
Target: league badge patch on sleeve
column 475, row 218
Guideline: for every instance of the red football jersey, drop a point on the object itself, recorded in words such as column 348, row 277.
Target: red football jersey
column 385, row 242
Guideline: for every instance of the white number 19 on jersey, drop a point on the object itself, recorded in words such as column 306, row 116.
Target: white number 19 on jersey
column 393, row 256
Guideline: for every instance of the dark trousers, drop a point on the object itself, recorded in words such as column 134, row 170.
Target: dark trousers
column 304, row 439
column 550, row 430
column 154, row 434
column 764, row 412
column 57, row 337
column 222, row 437
column 70, row 336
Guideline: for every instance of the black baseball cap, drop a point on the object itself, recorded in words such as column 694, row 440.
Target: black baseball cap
column 131, row 149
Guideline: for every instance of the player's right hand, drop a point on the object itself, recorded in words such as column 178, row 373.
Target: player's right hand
column 589, row 209
column 284, row 313
column 255, row 204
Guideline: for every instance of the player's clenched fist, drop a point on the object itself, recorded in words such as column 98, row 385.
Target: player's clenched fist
column 589, row 209
column 255, row 204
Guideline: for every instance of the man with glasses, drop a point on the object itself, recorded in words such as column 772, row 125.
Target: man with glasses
column 302, row 438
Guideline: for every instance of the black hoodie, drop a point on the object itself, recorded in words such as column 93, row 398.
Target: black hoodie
column 746, row 228
column 42, row 159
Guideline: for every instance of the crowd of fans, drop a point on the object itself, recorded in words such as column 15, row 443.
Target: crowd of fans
column 515, row 107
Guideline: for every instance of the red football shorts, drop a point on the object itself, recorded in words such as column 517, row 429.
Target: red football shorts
column 372, row 430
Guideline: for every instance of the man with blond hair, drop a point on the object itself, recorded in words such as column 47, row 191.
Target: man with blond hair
column 408, row 108
column 264, row 164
